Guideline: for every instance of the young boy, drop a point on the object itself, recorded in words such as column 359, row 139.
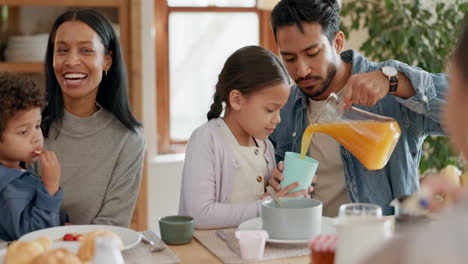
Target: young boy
column 26, row 203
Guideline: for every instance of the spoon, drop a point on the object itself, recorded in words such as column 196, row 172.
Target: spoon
column 154, row 246
column 272, row 193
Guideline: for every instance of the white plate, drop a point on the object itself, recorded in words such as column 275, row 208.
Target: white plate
column 328, row 227
column 130, row 238
column 2, row 255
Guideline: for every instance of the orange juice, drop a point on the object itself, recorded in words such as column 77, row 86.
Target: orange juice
column 371, row 142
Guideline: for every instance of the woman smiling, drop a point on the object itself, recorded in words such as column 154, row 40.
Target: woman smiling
column 88, row 121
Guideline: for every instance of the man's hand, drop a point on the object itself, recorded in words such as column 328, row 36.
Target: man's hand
column 50, row 171
column 365, row 88
column 278, row 177
column 368, row 88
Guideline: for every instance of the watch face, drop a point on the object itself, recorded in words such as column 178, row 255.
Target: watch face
column 389, row 71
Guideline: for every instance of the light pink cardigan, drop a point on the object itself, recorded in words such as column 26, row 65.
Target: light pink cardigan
column 207, row 180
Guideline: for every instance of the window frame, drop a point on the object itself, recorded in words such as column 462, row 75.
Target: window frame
column 165, row 144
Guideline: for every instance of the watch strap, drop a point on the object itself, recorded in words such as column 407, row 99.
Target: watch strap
column 393, row 84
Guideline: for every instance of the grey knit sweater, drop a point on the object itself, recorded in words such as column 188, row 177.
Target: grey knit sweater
column 101, row 162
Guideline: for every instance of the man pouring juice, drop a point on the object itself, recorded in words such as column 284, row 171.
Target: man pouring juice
column 312, row 48
column 369, row 137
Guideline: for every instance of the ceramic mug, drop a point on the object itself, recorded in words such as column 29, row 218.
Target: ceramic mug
column 176, row 229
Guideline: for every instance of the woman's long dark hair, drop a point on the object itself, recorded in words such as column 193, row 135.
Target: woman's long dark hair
column 113, row 89
column 249, row 69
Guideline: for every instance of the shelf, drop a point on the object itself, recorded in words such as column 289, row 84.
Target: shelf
column 23, row 67
column 76, row 3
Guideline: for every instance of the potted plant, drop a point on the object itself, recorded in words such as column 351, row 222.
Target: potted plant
column 417, row 35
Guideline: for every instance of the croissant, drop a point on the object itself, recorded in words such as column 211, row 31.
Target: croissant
column 57, row 256
column 24, row 252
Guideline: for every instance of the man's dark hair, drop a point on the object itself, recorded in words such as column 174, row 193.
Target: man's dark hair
column 17, row 93
column 290, row 12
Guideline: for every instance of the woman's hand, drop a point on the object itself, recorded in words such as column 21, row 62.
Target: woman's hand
column 50, row 171
column 278, row 177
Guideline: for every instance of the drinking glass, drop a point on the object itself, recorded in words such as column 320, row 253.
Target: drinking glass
column 360, row 210
column 361, row 230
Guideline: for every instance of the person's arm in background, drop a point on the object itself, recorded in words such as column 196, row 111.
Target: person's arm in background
column 121, row 195
column 442, row 242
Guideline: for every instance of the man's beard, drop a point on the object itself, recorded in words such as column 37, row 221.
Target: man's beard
column 330, row 75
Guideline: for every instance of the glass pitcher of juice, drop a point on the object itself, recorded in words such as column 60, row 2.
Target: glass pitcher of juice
column 371, row 138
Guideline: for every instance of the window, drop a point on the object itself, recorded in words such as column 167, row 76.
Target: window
column 208, row 3
column 194, row 39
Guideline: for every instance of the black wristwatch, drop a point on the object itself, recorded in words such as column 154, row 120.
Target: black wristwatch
column 392, row 75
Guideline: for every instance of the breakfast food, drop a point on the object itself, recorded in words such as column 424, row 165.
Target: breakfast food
column 57, row 256
column 322, row 249
column 86, row 251
column 38, row 152
column 39, row 251
column 417, row 204
column 452, row 173
column 464, row 178
column 24, row 252
column 72, row 237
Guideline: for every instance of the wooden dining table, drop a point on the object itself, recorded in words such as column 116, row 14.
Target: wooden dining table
column 195, row 253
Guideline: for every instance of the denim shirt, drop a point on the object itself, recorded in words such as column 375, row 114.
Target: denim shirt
column 418, row 117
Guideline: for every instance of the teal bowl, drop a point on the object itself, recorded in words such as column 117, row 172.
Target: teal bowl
column 300, row 219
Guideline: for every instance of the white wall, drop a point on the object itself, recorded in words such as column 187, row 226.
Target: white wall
column 164, row 171
column 164, row 187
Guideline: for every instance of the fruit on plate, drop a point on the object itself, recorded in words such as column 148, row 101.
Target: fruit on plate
column 72, row 237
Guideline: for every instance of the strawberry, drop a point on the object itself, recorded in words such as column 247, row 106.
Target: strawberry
column 69, row 237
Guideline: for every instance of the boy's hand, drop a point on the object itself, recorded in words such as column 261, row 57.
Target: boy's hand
column 50, row 171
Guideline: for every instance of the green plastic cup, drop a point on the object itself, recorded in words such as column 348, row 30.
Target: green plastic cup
column 298, row 170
